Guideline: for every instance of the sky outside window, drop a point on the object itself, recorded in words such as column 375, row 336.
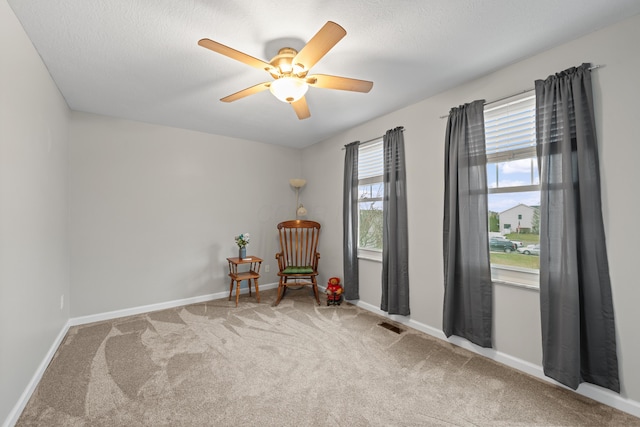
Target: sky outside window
column 509, row 176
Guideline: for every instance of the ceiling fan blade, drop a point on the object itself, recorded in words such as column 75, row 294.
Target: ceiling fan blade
column 301, row 108
column 330, row 34
column 235, row 54
column 326, row 81
column 246, row 92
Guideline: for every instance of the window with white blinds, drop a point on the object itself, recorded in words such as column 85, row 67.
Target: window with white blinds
column 513, row 187
column 510, row 136
column 370, row 194
column 370, row 162
column 510, row 128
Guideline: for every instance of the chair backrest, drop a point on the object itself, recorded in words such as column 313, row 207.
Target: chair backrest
column 299, row 243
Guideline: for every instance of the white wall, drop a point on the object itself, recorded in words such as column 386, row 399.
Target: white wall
column 516, row 317
column 154, row 210
column 34, row 271
column 150, row 212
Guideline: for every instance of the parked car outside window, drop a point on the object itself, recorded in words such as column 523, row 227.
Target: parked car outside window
column 503, row 245
column 530, row 250
column 515, row 242
column 518, row 243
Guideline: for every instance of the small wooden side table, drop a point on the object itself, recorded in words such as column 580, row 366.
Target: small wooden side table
column 238, row 277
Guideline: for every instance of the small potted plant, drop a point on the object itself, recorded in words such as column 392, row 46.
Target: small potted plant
column 242, row 240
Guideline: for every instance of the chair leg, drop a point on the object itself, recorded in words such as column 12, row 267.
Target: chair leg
column 281, row 287
column 315, row 288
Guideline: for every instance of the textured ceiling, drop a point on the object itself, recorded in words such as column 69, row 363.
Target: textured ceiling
column 140, row 60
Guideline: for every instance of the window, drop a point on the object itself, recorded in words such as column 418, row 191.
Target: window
column 370, row 194
column 513, row 186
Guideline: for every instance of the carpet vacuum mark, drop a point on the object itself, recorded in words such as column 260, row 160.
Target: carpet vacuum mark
column 298, row 364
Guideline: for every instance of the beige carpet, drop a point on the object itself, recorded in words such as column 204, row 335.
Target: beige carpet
column 297, row 364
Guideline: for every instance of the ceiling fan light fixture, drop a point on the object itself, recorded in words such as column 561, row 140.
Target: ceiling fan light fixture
column 288, row 89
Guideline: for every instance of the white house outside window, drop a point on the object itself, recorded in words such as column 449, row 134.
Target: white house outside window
column 514, row 188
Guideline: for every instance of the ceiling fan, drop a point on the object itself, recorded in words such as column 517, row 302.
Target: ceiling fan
column 290, row 70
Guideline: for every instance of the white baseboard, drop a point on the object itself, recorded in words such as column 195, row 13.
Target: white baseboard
column 599, row 394
column 13, row 416
column 82, row 320
column 591, row 391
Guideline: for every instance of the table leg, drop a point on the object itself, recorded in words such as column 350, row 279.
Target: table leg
column 238, row 291
column 230, row 289
column 255, row 283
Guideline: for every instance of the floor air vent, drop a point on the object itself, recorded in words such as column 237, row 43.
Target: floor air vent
column 391, row 327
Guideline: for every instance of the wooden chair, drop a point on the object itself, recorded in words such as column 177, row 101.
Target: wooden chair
column 298, row 256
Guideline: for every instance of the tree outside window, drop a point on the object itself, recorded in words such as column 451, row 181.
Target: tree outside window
column 370, row 194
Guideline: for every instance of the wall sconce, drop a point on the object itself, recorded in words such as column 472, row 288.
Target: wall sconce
column 298, row 183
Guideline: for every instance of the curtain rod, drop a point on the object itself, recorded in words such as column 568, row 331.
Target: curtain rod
column 369, row 141
column 520, row 93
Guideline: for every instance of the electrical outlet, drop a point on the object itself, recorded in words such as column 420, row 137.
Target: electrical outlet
column 61, row 301
column 266, row 268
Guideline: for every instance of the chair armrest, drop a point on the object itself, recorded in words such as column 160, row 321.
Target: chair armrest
column 280, row 258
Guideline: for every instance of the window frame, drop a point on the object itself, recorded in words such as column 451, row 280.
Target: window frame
column 372, row 254
column 511, row 275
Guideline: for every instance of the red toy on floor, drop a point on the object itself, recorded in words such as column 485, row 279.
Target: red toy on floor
column 334, row 291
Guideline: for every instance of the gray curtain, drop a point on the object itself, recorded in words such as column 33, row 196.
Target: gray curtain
column 350, row 222
column 578, row 330
column 395, row 234
column 468, row 298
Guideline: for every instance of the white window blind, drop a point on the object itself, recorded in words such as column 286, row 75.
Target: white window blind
column 370, row 162
column 510, row 129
